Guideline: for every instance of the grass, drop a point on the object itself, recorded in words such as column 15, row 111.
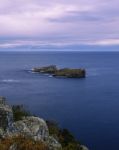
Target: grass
column 22, row 143
column 66, row 139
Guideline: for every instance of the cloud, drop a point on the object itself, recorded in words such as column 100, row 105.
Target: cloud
column 106, row 42
column 64, row 20
column 56, row 44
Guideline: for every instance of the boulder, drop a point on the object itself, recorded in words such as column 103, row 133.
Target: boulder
column 82, row 147
column 33, row 127
column 53, row 143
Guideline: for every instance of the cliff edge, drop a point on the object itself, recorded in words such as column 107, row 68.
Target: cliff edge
column 29, row 133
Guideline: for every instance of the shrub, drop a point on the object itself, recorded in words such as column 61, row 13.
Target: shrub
column 66, row 139
column 19, row 111
column 22, row 143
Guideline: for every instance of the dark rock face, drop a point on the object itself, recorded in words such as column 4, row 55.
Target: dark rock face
column 6, row 115
column 65, row 72
column 70, row 73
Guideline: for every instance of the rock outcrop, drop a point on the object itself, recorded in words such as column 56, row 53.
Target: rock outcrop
column 65, row 72
column 6, row 114
column 83, row 147
column 31, row 127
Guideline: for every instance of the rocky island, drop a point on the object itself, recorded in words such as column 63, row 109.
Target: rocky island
column 65, row 72
column 19, row 130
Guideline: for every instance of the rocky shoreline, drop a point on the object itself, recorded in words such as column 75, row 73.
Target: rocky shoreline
column 65, row 72
column 19, row 129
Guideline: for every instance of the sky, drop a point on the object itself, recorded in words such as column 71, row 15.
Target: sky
column 58, row 23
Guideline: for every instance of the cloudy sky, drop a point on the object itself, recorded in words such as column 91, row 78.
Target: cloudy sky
column 59, row 22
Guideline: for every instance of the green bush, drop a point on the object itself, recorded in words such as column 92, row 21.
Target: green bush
column 66, row 139
column 19, row 111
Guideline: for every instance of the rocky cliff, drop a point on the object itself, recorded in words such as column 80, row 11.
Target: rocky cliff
column 32, row 133
column 30, row 127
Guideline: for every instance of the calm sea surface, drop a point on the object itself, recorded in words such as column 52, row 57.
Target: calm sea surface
column 88, row 107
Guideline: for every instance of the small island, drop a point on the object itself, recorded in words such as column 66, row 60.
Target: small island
column 65, row 72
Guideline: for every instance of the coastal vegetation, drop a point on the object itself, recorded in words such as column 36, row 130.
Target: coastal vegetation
column 19, row 111
column 21, row 143
column 70, row 73
column 65, row 72
column 64, row 136
column 21, row 130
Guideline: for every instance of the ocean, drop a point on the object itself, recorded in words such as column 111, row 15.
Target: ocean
column 88, row 107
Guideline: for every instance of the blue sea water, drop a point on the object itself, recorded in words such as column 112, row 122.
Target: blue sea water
column 88, row 107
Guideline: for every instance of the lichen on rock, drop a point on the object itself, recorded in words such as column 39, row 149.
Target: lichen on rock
column 33, row 127
column 32, row 133
column 6, row 114
column 30, row 127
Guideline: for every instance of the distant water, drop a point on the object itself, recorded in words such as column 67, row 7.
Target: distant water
column 88, row 107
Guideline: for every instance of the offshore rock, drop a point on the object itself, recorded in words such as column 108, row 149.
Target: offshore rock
column 65, row 72
column 70, row 73
column 48, row 69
